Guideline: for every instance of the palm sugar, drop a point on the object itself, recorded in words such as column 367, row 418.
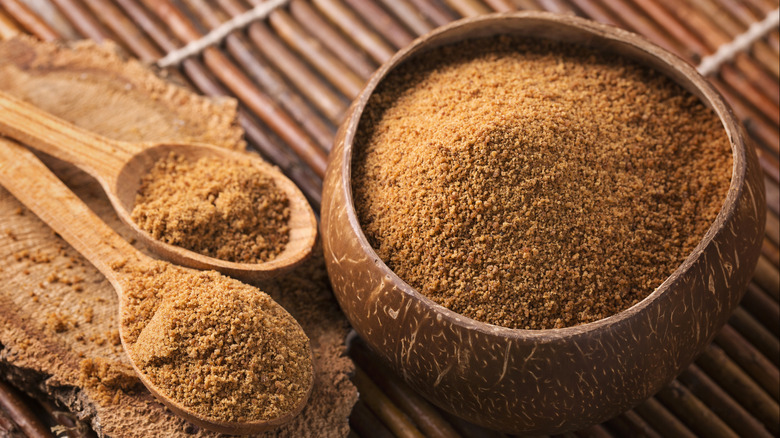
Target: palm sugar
column 107, row 377
column 221, row 348
column 534, row 184
column 224, row 209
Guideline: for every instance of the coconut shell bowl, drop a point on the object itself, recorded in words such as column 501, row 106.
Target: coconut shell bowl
column 545, row 381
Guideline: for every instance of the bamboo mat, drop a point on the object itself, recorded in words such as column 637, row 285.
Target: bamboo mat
column 295, row 73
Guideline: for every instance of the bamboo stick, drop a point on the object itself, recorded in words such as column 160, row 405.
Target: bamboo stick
column 425, row 416
column 131, row 36
column 721, row 16
column 640, row 424
column 21, row 414
column 382, row 22
column 750, row 360
column 770, row 250
column 471, row 430
column 768, row 278
column 773, row 201
column 468, row 8
column 762, row 8
column 697, row 24
column 595, row 431
column 741, row 10
column 267, row 110
column 557, row 6
column 765, row 341
column 529, row 5
column 82, row 20
column 763, row 5
column 8, row 27
column 682, row 33
column 385, row 410
column 763, row 134
column 268, row 146
column 24, row 17
column 439, row 14
column 505, row 6
column 303, row 176
column 722, row 404
column 714, row 35
column 756, row 125
column 631, row 424
column 621, row 427
column 412, row 18
column 773, row 39
column 772, row 193
column 272, row 84
column 673, row 27
column 324, row 98
column 740, row 386
column 762, row 307
column 155, row 29
column 335, row 71
column 767, row 160
column 244, row 89
column 652, row 411
column 693, row 412
column 353, row 27
column 264, row 76
column 595, row 12
column 327, row 35
column 772, row 228
column 641, row 24
column 314, row 88
column 710, row 37
column 365, row 423
column 753, row 91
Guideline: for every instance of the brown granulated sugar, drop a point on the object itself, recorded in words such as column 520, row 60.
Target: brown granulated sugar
column 220, row 347
column 107, row 377
column 224, row 209
column 533, row 184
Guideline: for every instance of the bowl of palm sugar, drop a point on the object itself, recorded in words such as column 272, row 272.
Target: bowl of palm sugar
column 538, row 221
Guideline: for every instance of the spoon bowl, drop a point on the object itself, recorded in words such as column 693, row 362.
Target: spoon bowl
column 302, row 223
column 120, row 166
column 30, row 181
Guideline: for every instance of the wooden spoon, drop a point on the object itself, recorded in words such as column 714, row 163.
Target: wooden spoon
column 30, row 181
column 119, row 167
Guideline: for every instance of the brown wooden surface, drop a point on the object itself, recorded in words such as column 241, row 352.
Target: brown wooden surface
column 729, row 390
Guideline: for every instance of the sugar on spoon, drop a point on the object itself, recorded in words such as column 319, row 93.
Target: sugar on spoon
column 30, row 181
column 120, row 166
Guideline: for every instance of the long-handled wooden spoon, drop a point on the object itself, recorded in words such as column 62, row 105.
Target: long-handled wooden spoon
column 119, row 167
column 30, row 181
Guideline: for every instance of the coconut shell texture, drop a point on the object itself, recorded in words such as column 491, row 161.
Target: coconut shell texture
column 546, row 381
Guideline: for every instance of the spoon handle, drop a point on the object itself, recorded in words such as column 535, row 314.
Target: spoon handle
column 99, row 156
column 35, row 186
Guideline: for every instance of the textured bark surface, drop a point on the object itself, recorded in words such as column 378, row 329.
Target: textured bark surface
column 58, row 312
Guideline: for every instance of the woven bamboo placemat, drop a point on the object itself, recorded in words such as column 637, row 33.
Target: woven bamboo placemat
column 299, row 63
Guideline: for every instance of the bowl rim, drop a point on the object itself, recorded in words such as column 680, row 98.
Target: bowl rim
column 696, row 84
